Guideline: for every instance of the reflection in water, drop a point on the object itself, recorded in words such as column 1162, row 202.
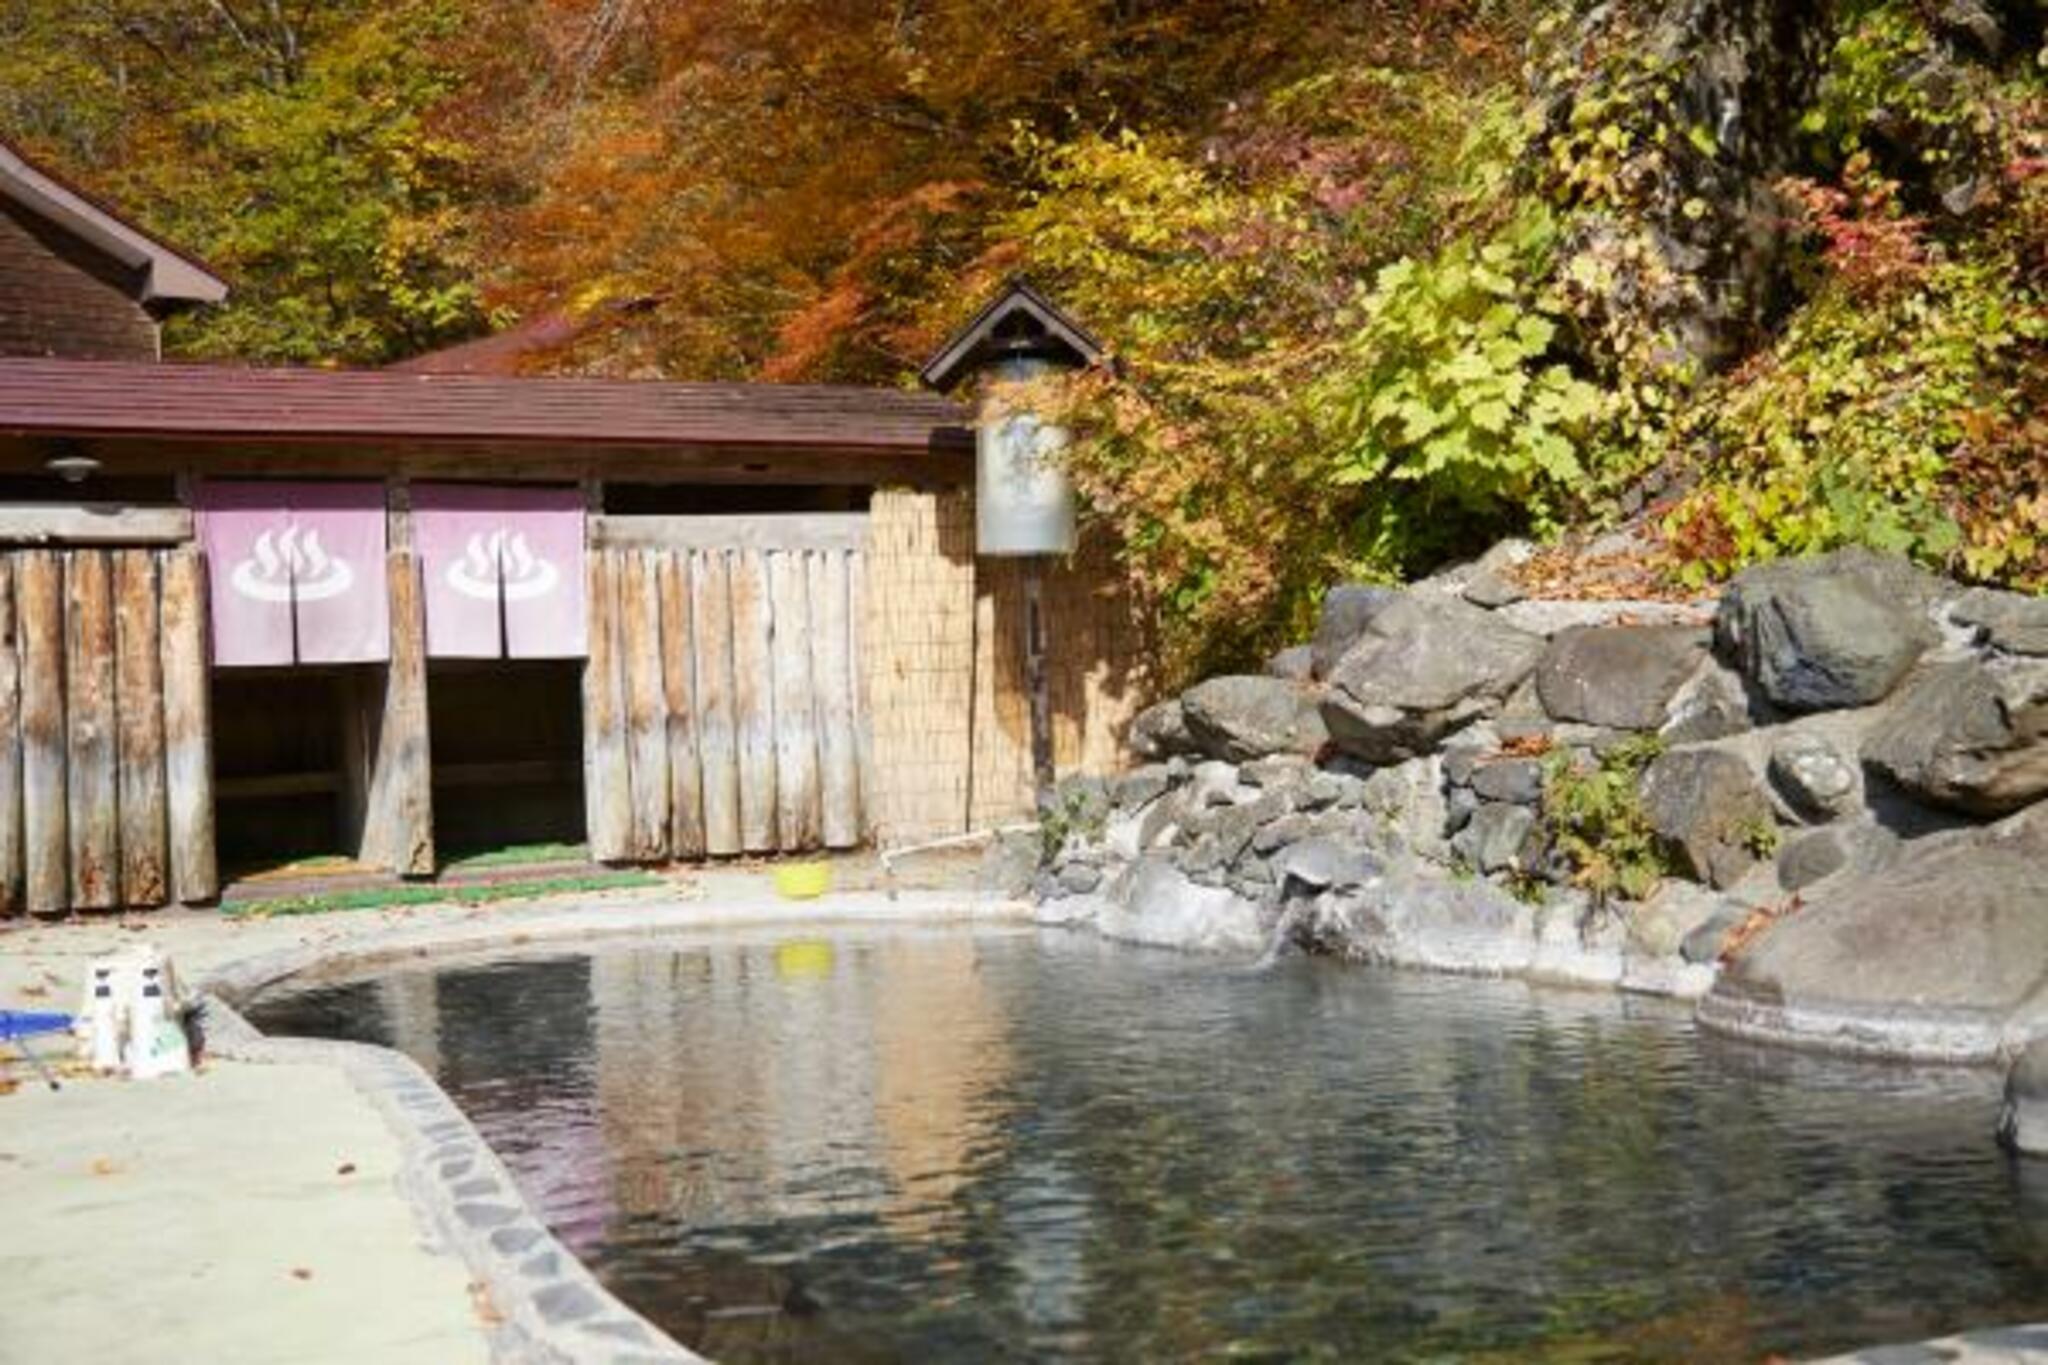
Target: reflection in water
column 949, row 1146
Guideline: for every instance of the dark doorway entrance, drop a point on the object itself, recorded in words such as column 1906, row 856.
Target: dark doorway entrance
column 508, row 753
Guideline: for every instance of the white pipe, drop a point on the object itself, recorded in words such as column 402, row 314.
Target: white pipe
column 890, row 855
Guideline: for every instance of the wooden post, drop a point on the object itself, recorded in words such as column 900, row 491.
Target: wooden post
column 39, row 601
column 395, row 736
column 139, row 723
column 718, row 740
column 1035, row 677
column 90, row 742
column 832, row 673
column 796, row 732
column 646, row 703
column 188, row 728
column 10, row 748
column 679, row 689
column 753, row 675
column 857, row 607
column 607, row 789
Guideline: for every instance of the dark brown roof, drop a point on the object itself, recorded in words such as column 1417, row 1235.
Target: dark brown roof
column 500, row 353
column 168, row 274
column 1016, row 307
column 88, row 399
column 526, row 346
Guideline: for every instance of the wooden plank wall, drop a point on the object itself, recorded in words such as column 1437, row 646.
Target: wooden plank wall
column 712, row 676
column 106, row 793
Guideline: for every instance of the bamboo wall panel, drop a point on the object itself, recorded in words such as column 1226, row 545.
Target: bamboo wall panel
column 10, row 749
column 679, row 690
column 188, row 749
column 39, row 613
column 917, row 662
column 646, row 704
column 1098, row 657
column 607, row 782
column 139, row 729
column 90, row 755
column 832, row 674
column 753, row 674
column 718, row 735
column 798, row 818
column 1002, row 701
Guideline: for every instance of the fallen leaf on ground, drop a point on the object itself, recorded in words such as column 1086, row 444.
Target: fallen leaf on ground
column 35, row 991
column 301, row 1273
column 105, row 1166
column 1760, row 918
column 345, row 1168
column 7, row 1086
column 480, row 1301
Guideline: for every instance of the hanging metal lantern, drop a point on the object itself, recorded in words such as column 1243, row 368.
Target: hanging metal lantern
column 1023, row 500
column 1024, row 504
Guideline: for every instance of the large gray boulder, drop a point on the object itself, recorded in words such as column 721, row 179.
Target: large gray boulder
column 1325, row 862
column 1935, row 953
column 1518, row 781
column 1714, row 704
column 1162, row 907
column 1416, row 915
column 1295, row 663
column 1425, row 665
column 1243, row 717
column 1348, row 609
column 2009, row 621
column 1819, row 854
column 1491, row 840
column 1161, row 731
column 1813, row 776
column 1835, row 631
column 1708, row 807
column 1406, row 801
column 1968, row 737
column 2023, row 1119
column 1624, row 677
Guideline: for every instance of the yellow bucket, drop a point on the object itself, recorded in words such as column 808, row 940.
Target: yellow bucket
column 804, row 960
column 803, row 881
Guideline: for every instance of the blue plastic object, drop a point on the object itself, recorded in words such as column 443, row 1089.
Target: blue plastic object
column 21, row 1024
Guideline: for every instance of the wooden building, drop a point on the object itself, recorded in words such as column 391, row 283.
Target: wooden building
column 249, row 614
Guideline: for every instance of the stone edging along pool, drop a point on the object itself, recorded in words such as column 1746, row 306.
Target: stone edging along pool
column 551, row 1309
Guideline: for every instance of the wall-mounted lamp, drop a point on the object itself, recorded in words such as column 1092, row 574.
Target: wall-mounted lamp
column 71, row 464
column 1024, row 504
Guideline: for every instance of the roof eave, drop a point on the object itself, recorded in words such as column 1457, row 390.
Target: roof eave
column 168, row 276
column 945, row 369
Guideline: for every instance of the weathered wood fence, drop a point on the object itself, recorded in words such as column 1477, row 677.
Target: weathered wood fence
column 721, row 697
column 106, row 777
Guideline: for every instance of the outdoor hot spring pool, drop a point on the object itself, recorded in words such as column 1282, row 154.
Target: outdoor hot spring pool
column 953, row 1145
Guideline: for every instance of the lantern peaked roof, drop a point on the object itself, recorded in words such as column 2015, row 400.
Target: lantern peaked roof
column 1019, row 313
column 165, row 275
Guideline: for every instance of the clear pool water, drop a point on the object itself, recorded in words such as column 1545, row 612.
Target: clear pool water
column 1014, row 1145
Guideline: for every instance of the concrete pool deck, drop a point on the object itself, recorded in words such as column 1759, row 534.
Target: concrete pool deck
column 306, row 1201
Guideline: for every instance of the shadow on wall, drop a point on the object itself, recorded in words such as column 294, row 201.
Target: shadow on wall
column 1099, row 653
